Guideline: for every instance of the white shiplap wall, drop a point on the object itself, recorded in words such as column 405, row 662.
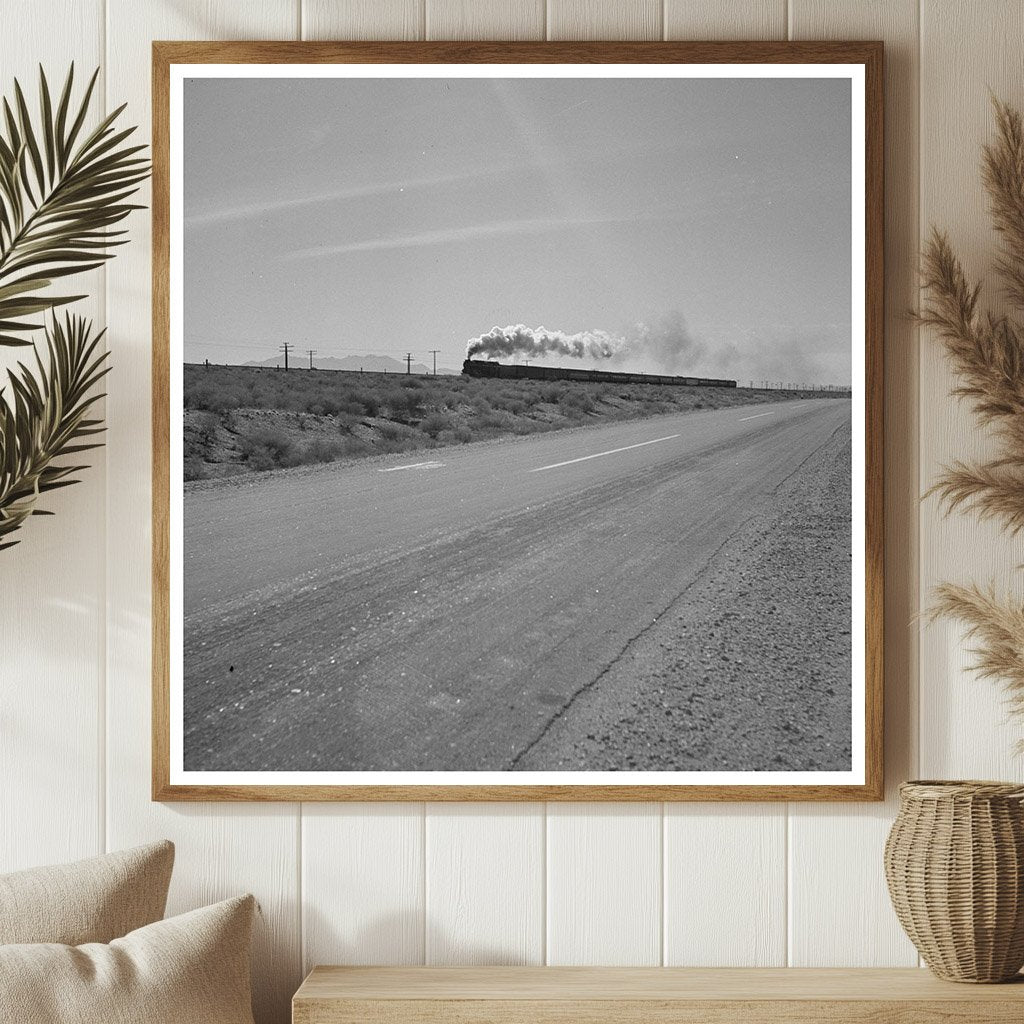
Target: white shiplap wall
column 507, row 883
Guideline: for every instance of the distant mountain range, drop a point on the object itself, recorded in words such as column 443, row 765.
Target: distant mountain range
column 370, row 363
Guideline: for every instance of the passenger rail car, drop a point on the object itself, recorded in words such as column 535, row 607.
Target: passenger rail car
column 521, row 371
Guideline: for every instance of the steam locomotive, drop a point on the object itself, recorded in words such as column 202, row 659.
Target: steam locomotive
column 486, row 368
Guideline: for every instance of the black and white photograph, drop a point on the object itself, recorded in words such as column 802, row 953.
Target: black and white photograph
column 517, row 425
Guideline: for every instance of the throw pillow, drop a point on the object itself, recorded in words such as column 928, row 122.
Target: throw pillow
column 92, row 900
column 190, row 969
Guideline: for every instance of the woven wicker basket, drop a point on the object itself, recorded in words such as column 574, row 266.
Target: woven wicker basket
column 954, row 861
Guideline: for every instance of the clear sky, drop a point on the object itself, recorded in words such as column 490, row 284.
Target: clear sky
column 394, row 215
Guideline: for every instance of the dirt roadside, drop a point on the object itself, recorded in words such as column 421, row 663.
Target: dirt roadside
column 749, row 668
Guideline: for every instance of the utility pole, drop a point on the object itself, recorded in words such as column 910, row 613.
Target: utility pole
column 408, row 362
column 434, row 352
column 312, row 352
column 286, row 347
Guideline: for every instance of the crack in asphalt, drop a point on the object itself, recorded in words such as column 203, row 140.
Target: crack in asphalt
column 587, row 686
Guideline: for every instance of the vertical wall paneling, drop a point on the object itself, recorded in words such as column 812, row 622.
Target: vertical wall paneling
column 725, row 885
column 485, row 883
column 485, row 19
column 604, row 19
column 51, row 583
column 223, row 849
column 604, row 884
column 362, row 884
column 965, row 52
column 726, row 19
column 836, row 851
column 363, row 19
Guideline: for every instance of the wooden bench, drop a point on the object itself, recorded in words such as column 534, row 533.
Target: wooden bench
column 646, row 995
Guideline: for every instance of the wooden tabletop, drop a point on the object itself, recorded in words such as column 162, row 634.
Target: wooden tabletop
column 631, row 984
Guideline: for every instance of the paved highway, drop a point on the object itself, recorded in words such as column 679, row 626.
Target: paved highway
column 437, row 610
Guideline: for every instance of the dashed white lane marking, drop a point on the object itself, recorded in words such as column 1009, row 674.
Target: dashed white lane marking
column 413, row 465
column 757, row 417
column 584, row 458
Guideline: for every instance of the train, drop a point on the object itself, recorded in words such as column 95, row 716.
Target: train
column 523, row 371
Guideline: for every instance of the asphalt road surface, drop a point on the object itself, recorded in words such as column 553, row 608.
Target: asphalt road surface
column 445, row 610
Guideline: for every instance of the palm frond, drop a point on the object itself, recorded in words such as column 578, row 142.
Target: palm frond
column 45, row 419
column 62, row 191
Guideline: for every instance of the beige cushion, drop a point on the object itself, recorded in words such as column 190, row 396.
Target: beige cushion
column 93, row 900
column 191, row 969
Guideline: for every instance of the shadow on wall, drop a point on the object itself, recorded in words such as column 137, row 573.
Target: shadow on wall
column 396, row 939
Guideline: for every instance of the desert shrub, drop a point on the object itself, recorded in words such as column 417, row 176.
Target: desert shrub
column 212, row 397
column 194, row 469
column 402, row 404
column 575, row 402
column 412, row 382
column 510, row 401
column 353, row 446
column 550, row 393
column 497, row 419
column 321, row 450
column 198, row 396
column 355, row 402
column 391, row 431
column 324, row 406
column 369, row 404
column 458, row 435
column 527, row 426
column 266, row 448
column 205, row 425
column 434, row 423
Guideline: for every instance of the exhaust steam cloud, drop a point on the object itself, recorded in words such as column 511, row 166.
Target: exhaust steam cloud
column 666, row 344
column 522, row 340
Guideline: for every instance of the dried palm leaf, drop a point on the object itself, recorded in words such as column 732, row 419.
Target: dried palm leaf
column 998, row 630
column 986, row 352
column 1003, row 176
column 992, row 490
column 987, row 355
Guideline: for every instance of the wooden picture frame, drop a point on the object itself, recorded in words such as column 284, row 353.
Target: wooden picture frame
column 168, row 783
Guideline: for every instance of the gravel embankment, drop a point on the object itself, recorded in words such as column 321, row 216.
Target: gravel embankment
column 749, row 668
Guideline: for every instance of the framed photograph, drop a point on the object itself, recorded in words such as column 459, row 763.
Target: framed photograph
column 517, row 421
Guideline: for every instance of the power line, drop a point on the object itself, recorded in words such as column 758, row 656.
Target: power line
column 408, row 362
column 364, row 350
column 286, row 347
column 434, row 352
column 312, row 352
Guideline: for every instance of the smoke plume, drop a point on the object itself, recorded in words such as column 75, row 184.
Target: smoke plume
column 522, row 340
column 665, row 344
